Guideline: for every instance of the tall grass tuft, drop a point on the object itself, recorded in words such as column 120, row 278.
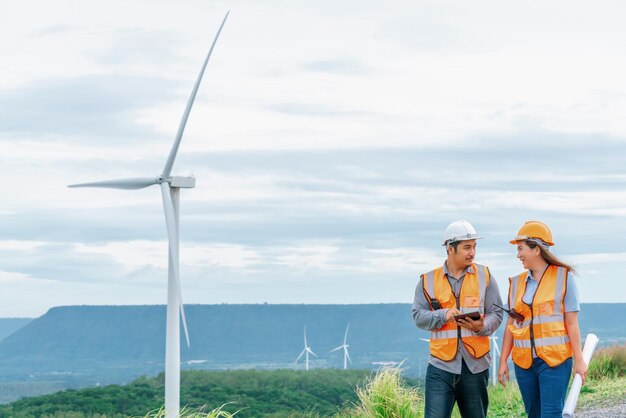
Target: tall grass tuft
column 608, row 362
column 505, row 402
column 189, row 413
column 385, row 396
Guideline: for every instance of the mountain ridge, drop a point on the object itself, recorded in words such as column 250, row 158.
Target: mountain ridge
column 76, row 346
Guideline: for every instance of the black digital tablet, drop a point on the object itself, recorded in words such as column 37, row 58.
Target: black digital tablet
column 472, row 315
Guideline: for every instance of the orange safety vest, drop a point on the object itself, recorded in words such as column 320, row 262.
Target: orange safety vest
column 544, row 325
column 444, row 341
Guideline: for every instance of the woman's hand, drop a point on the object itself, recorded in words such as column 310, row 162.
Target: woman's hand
column 503, row 373
column 580, row 367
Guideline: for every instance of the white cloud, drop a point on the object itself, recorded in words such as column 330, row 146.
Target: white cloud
column 597, row 258
column 330, row 145
column 308, row 257
column 20, row 246
column 221, row 256
column 9, row 277
column 130, row 255
column 401, row 260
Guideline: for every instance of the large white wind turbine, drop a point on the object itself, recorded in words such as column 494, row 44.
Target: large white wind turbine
column 306, row 352
column 346, row 356
column 495, row 355
column 170, row 192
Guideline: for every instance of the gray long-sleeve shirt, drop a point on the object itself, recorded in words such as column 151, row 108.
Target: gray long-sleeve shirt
column 427, row 319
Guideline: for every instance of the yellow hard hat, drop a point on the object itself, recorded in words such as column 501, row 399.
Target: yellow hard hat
column 534, row 229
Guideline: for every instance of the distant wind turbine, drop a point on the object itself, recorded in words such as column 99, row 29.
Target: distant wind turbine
column 170, row 192
column 494, row 359
column 306, row 352
column 346, row 356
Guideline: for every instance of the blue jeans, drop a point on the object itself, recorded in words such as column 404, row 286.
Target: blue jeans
column 544, row 388
column 467, row 389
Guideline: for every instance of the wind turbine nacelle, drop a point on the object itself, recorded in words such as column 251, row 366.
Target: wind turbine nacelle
column 183, row 182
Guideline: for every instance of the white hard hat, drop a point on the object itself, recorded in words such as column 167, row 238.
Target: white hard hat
column 460, row 230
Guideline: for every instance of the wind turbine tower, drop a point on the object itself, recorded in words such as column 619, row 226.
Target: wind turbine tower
column 495, row 354
column 306, row 352
column 344, row 346
column 170, row 192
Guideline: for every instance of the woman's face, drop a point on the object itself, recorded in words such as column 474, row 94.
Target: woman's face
column 528, row 256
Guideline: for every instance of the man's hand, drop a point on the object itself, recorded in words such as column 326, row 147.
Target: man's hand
column 450, row 314
column 470, row 324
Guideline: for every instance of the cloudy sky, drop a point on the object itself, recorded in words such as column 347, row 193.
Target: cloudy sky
column 332, row 143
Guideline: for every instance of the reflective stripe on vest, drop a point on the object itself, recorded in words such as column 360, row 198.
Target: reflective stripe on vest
column 541, row 342
column 544, row 324
column 444, row 341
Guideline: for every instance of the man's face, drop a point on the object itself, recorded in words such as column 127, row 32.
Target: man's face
column 464, row 254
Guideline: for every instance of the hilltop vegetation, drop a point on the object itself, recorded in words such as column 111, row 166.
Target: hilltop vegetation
column 286, row 393
column 87, row 346
column 279, row 393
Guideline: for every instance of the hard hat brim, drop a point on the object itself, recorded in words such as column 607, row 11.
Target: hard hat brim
column 526, row 237
column 459, row 239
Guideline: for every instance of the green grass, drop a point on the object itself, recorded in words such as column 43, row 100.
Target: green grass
column 190, row 413
column 606, row 379
column 602, row 392
column 386, row 395
column 608, row 363
column 505, row 402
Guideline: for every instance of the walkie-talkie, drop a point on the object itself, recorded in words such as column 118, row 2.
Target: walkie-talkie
column 512, row 313
column 435, row 304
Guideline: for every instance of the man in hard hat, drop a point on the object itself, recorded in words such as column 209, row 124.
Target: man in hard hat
column 458, row 367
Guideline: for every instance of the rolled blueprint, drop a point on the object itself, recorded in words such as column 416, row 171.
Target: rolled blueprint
column 570, row 403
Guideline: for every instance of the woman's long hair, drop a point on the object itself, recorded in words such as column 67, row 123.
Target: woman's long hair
column 551, row 258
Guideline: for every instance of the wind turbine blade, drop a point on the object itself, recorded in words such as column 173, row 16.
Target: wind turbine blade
column 305, row 344
column 425, row 339
column 338, row 348
column 182, row 315
column 497, row 348
column 126, row 184
column 181, row 128
column 345, row 338
column 348, row 355
column 300, row 356
column 170, row 223
column 172, row 234
column 310, row 351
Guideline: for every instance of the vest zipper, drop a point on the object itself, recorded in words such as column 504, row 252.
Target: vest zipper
column 532, row 314
column 532, row 333
column 458, row 327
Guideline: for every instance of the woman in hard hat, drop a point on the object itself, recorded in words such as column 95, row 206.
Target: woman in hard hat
column 544, row 342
